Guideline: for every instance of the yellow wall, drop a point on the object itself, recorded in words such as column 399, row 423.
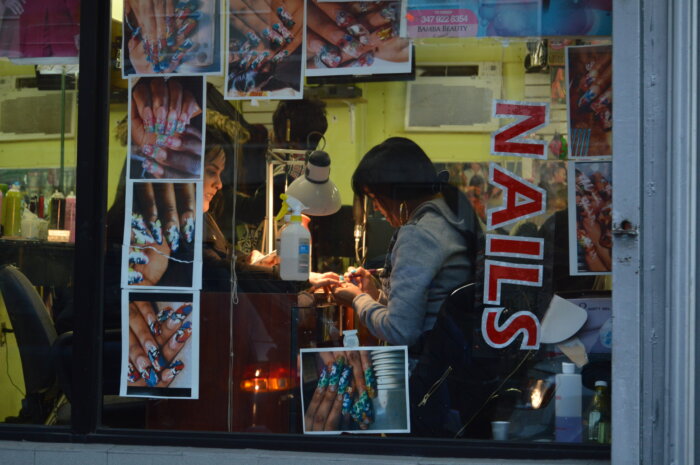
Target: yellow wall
column 35, row 153
column 10, row 365
column 381, row 111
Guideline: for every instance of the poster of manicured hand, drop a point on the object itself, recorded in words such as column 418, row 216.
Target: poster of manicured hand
column 265, row 49
column 355, row 38
column 166, row 127
column 589, row 101
column 162, row 236
column 160, row 345
column 166, row 37
column 590, row 218
column 356, row 390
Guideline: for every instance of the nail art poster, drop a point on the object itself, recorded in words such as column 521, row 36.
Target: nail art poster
column 590, row 218
column 589, row 101
column 355, row 38
column 167, row 37
column 166, row 127
column 160, row 345
column 355, row 390
column 162, row 236
column 266, row 51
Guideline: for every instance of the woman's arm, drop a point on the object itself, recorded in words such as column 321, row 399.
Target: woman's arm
column 416, row 259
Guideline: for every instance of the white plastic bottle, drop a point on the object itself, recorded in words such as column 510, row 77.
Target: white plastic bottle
column 295, row 245
column 568, row 422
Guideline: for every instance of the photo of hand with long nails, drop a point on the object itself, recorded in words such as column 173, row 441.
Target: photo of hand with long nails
column 264, row 50
column 166, row 128
column 355, row 35
column 344, row 391
column 171, row 36
column 158, row 335
column 589, row 70
column 162, row 234
column 592, row 188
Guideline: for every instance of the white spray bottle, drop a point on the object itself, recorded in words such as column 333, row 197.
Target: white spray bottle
column 295, row 243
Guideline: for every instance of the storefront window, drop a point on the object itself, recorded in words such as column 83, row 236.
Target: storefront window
column 38, row 134
column 440, row 263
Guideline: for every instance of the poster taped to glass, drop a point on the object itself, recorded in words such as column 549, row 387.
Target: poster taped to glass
column 511, row 18
column 265, row 49
column 165, row 37
column 355, row 38
column 162, row 231
column 160, row 345
column 589, row 101
column 357, row 390
column 40, row 31
column 590, row 218
column 166, row 125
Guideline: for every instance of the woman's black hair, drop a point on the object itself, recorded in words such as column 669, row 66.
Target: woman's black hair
column 307, row 122
column 399, row 169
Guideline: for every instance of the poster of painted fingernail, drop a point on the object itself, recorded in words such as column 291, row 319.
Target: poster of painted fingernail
column 265, row 49
column 589, row 101
column 166, row 127
column 355, row 38
column 171, row 37
column 590, row 218
column 162, row 235
column 355, row 390
column 160, row 345
column 508, row 18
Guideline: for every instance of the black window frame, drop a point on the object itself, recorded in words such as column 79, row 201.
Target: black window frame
column 91, row 187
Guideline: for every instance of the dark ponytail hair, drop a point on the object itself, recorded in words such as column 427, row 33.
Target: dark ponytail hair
column 400, row 170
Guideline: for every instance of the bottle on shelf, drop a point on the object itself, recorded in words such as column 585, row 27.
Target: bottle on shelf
column 12, row 212
column 598, row 415
column 567, row 407
column 70, row 215
column 57, row 211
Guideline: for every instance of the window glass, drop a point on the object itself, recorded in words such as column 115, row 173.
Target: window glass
column 38, row 139
column 454, row 224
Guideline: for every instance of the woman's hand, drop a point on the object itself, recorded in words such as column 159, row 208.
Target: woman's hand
column 364, row 280
column 345, row 293
column 157, row 334
column 327, row 280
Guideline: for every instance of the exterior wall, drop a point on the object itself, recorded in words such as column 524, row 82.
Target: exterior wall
column 28, row 453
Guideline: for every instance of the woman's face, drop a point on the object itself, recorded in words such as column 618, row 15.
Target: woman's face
column 213, row 166
column 388, row 208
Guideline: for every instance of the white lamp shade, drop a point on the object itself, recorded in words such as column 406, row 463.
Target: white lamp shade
column 321, row 198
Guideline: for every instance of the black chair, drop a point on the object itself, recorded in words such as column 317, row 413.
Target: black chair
column 35, row 335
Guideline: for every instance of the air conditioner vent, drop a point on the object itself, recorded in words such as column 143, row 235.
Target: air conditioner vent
column 453, row 97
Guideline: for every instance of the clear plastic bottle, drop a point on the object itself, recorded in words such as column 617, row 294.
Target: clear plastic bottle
column 567, row 407
column 598, row 415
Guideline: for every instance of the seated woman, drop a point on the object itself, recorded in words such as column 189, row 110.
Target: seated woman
column 432, row 252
